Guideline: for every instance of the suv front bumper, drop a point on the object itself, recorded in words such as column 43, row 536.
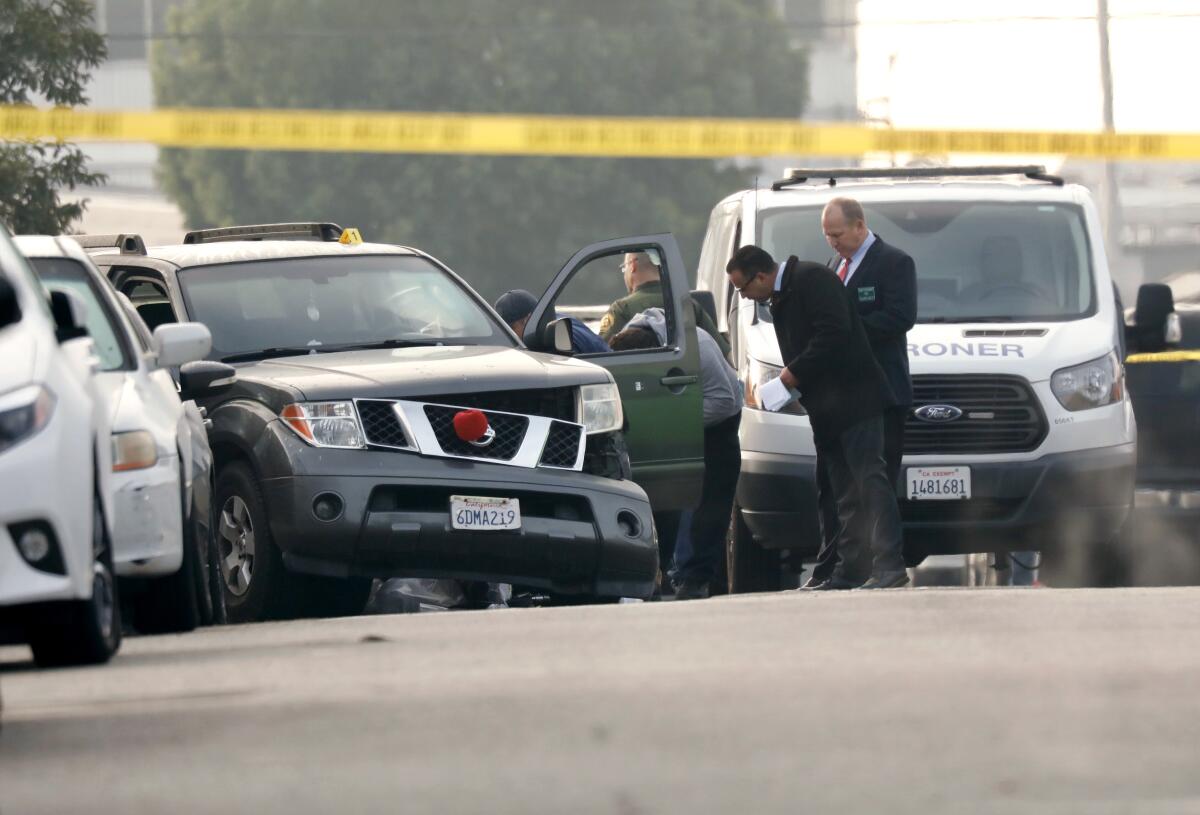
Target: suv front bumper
column 396, row 522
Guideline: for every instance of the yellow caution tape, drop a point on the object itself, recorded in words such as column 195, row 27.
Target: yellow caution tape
column 1165, row 356
column 358, row 131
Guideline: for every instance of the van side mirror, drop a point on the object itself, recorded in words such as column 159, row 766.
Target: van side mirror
column 10, row 309
column 70, row 315
column 558, row 336
column 177, row 343
column 1155, row 323
column 202, row 377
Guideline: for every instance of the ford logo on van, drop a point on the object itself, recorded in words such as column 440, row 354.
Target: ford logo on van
column 937, row 413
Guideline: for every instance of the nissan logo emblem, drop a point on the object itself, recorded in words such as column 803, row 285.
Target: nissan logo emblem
column 938, row 413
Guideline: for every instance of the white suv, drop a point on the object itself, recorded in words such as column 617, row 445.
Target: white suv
column 1021, row 435
column 57, row 589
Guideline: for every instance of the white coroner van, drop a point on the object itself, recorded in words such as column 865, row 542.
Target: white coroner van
column 1021, row 437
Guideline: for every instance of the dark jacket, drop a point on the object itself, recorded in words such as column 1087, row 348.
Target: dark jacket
column 824, row 346
column 885, row 288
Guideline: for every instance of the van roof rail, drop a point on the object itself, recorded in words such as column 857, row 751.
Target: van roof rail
column 264, row 232
column 799, row 175
column 127, row 242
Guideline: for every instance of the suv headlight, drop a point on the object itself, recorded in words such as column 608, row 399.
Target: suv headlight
column 601, row 408
column 23, row 413
column 325, row 424
column 1090, row 385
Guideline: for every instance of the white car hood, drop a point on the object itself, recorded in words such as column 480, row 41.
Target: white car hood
column 19, row 349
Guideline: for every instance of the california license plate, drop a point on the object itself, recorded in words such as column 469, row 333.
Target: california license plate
column 480, row 513
column 938, row 483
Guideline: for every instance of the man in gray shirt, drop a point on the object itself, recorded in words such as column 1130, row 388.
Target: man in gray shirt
column 722, row 453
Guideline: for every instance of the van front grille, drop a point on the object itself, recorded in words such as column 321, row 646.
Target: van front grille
column 999, row 414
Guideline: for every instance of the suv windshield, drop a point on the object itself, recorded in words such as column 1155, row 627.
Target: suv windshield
column 976, row 261
column 326, row 302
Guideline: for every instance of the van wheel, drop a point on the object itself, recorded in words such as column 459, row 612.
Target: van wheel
column 751, row 567
column 252, row 571
column 83, row 632
column 1112, row 563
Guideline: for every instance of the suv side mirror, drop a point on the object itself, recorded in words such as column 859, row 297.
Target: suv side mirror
column 1155, row 323
column 558, row 336
column 177, row 343
column 10, row 309
column 197, row 379
column 70, row 315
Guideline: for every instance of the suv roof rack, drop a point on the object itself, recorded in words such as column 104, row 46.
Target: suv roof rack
column 266, row 232
column 798, row 175
column 127, row 242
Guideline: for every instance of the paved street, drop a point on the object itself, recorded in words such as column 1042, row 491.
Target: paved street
column 930, row 700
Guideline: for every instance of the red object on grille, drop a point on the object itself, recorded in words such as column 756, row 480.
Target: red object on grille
column 470, row 425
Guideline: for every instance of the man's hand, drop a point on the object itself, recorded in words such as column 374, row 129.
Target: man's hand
column 789, row 379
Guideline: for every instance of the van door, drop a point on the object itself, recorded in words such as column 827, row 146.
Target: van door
column 660, row 386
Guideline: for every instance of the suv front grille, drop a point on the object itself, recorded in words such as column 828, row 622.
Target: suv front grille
column 553, row 403
column 1000, row 414
column 380, row 423
column 562, row 445
column 510, row 432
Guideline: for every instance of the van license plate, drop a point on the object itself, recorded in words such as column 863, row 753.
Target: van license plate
column 479, row 513
column 938, row 483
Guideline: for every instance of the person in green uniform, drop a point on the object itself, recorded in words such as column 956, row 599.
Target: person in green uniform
column 643, row 281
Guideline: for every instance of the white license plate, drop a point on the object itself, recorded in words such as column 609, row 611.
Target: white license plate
column 480, row 513
column 938, row 483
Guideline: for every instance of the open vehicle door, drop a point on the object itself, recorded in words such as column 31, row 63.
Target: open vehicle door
column 660, row 387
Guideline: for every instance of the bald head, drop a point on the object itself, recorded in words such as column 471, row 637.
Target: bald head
column 845, row 226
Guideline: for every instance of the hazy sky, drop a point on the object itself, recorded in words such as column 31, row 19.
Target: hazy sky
column 967, row 66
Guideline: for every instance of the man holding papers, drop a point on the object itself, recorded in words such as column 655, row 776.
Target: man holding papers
column 828, row 360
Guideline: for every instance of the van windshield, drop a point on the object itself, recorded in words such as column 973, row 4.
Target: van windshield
column 976, row 261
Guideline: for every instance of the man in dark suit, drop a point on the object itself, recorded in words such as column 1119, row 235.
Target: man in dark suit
column 882, row 283
column 829, row 360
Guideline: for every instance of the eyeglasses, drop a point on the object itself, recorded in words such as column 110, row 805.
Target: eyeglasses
column 742, row 288
column 624, row 265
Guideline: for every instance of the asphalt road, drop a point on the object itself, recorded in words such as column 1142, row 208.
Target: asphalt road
column 928, row 700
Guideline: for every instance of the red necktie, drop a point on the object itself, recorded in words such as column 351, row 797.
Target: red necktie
column 844, row 270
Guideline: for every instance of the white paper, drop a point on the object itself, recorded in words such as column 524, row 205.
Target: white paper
column 773, row 394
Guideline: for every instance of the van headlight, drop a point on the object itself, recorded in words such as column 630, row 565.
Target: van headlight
column 325, row 424
column 23, row 413
column 601, row 408
column 760, row 373
column 1090, row 385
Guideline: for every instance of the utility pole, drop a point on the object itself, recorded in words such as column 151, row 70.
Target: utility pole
column 1112, row 192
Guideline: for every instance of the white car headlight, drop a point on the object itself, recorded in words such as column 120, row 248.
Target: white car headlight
column 134, row 450
column 601, row 408
column 1090, row 385
column 325, row 424
column 23, row 413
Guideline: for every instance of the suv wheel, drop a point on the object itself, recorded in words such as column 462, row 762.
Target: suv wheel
column 83, row 632
column 251, row 566
column 751, row 567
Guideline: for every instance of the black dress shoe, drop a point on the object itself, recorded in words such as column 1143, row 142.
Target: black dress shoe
column 813, row 583
column 692, row 590
column 839, row 583
column 892, row 579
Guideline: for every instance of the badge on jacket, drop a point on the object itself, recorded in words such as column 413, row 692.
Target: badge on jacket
column 866, row 294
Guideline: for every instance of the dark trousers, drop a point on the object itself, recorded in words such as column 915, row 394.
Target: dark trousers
column 710, row 520
column 841, row 514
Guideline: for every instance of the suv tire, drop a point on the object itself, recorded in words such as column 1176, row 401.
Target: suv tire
column 254, row 578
